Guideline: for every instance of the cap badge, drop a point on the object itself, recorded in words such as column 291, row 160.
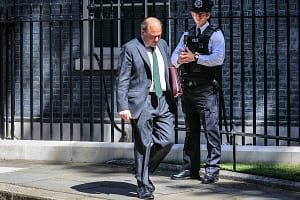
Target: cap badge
column 198, row 4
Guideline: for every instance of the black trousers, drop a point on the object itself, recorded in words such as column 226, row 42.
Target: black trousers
column 200, row 105
column 153, row 137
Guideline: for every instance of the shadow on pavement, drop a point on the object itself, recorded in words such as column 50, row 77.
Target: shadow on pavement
column 107, row 187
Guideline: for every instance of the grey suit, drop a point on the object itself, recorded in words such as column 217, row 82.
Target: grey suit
column 150, row 123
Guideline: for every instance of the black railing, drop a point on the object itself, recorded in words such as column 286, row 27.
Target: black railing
column 53, row 88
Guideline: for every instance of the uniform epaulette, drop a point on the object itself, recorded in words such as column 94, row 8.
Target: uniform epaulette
column 211, row 29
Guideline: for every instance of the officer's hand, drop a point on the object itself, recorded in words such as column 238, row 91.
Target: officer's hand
column 186, row 56
column 125, row 114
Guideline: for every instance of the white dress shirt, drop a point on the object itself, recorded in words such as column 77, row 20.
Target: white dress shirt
column 161, row 66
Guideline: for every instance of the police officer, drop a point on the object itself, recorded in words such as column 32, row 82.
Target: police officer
column 200, row 54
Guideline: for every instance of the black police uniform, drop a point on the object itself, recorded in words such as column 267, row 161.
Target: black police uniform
column 200, row 105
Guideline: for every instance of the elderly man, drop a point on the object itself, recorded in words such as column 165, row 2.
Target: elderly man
column 144, row 99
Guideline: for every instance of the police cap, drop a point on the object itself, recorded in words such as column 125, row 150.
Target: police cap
column 200, row 6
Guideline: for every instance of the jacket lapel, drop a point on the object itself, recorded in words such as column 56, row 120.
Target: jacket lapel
column 142, row 50
column 143, row 53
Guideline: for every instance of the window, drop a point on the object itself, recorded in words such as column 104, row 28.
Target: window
column 116, row 22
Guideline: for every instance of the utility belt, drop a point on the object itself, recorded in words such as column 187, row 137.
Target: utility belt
column 202, row 83
column 194, row 83
column 194, row 75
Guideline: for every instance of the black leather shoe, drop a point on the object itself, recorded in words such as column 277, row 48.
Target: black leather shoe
column 210, row 178
column 195, row 176
column 144, row 193
column 185, row 174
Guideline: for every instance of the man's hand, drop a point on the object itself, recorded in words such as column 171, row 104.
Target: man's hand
column 186, row 56
column 125, row 114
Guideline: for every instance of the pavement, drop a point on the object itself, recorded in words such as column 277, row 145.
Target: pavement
column 114, row 180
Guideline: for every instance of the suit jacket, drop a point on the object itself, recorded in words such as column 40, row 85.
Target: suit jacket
column 134, row 76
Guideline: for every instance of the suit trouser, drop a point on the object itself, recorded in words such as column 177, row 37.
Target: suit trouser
column 153, row 137
column 200, row 105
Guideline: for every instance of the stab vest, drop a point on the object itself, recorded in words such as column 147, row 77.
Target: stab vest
column 199, row 45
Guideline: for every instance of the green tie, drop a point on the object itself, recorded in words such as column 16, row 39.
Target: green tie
column 156, row 78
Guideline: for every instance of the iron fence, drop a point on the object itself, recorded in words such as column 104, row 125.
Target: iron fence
column 58, row 63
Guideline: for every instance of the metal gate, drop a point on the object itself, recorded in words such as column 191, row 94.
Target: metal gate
column 58, row 63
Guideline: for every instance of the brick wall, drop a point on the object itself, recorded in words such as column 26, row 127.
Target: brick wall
column 65, row 49
column 238, row 63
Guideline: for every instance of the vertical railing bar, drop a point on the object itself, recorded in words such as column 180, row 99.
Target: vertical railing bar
column 254, row 70
column 288, row 73
column 71, row 72
column 186, row 18
column 277, row 114
column 175, row 35
column 2, row 127
column 51, row 25
column 122, row 42
column 165, row 19
column 112, row 74
column 265, row 73
column 153, row 9
column 122, row 19
column 31, row 72
column 21, row 75
column 6, row 77
column 234, row 152
column 145, row 8
column 13, row 63
column 298, row 75
column 81, row 70
column 61, row 88
column 132, row 20
column 1, row 75
column 91, row 52
column 221, row 112
column 101, row 76
column 242, row 24
column 41, row 75
column 169, row 28
column 169, row 23
column 220, row 13
column 222, row 106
